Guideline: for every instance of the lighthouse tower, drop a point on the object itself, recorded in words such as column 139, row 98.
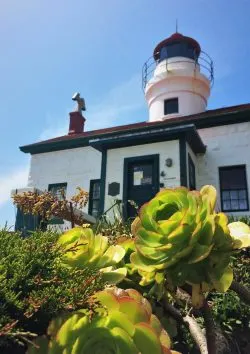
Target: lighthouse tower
column 177, row 79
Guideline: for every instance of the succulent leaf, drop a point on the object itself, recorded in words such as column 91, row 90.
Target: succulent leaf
column 240, row 232
column 84, row 249
column 126, row 325
column 179, row 232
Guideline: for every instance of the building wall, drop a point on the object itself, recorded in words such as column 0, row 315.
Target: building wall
column 115, row 165
column 227, row 145
column 74, row 166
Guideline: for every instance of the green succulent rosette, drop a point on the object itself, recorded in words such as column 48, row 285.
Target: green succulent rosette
column 83, row 249
column 122, row 324
column 179, row 233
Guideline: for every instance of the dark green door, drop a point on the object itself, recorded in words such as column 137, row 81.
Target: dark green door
column 142, row 181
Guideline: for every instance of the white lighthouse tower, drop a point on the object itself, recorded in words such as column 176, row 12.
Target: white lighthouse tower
column 177, row 78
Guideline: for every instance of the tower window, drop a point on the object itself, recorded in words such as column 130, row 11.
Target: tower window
column 233, row 188
column 171, row 106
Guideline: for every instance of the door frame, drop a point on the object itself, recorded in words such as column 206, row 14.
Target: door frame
column 128, row 160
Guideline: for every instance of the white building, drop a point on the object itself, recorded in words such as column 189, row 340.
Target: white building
column 182, row 143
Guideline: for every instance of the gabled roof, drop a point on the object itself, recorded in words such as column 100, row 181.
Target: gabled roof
column 210, row 118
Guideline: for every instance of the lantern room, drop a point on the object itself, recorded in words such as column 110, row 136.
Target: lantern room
column 177, row 79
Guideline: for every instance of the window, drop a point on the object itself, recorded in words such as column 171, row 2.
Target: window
column 142, row 174
column 233, row 186
column 191, row 173
column 171, row 106
column 58, row 190
column 94, row 197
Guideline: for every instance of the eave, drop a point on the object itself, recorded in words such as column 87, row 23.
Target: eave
column 151, row 136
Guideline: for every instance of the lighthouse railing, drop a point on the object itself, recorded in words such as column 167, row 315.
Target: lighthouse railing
column 204, row 61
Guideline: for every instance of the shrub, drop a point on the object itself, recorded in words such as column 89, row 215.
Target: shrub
column 35, row 286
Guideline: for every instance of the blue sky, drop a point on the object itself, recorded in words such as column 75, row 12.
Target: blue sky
column 50, row 49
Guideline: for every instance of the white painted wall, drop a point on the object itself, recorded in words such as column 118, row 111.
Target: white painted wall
column 115, row 164
column 227, row 145
column 177, row 78
column 74, row 166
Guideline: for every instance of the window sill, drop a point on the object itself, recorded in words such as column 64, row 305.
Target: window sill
column 234, row 211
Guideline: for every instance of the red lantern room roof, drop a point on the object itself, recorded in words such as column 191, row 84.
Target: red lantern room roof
column 177, row 38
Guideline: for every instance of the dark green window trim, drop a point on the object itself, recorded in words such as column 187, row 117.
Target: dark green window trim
column 191, row 167
column 103, row 180
column 244, row 168
column 55, row 220
column 183, row 161
column 91, row 197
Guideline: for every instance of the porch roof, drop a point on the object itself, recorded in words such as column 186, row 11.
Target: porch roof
column 155, row 134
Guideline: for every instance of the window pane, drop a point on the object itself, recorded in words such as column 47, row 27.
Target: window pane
column 171, row 106
column 94, row 198
column 226, row 205
column 225, row 195
column 95, row 208
column 96, row 190
column 233, row 178
column 234, row 204
column 142, row 174
column 233, row 195
column 59, row 191
column 242, row 204
column 242, row 194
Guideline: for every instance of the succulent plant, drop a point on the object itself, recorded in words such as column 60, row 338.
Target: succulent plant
column 179, row 233
column 123, row 323
column 84, row 249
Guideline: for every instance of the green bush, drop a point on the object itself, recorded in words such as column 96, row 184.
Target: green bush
column 35, row 287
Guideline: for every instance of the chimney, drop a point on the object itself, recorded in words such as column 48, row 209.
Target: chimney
column 76, row 123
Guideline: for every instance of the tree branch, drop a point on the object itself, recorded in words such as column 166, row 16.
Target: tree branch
column 242, row 291
column 191, row 323
column 216, row 341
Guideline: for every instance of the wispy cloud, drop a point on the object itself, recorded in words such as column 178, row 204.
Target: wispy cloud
column 113, row 108
column 14, row 179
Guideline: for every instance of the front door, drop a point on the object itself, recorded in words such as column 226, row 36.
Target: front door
column 141, row 176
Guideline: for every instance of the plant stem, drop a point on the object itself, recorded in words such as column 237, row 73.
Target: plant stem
column 210, row 328
column 216, row 341
column 242, row 291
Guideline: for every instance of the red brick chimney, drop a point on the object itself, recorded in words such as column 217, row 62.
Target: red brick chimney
column 76, row 123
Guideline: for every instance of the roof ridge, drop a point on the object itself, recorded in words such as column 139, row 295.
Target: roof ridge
column 171, row 121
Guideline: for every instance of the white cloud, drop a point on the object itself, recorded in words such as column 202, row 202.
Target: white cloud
column 111, row 109
column 15, row 179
